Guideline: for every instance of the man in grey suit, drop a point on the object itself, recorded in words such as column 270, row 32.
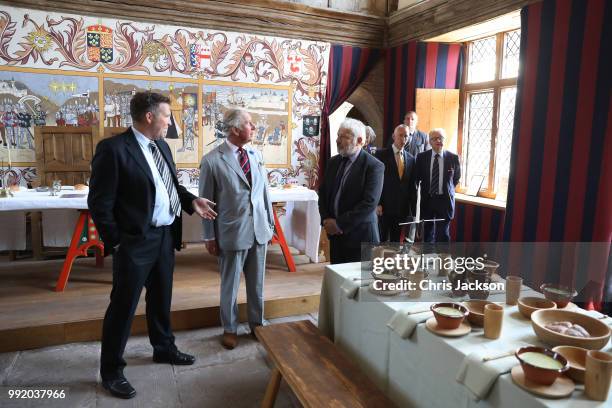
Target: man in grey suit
column 234, row 174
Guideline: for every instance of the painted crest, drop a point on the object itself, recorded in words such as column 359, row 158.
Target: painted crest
column 294, row 62
column 199, row 55
column 99, row 43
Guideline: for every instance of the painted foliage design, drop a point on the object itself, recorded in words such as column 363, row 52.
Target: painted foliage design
column 58, row 41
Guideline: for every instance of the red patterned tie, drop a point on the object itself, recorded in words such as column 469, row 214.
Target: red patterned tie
column 244, row 163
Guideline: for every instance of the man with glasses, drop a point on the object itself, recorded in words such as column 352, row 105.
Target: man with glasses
column 136, row 201
column 438, row 172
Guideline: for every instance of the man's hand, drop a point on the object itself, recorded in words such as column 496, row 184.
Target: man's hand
column 331, row 227
column 379, row 211
column 211, row 247
column 204, row 208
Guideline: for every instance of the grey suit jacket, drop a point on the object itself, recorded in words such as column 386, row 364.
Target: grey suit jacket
column 418, row 143
column 244, row 212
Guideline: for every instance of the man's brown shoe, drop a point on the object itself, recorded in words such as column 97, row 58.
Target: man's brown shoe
column 229, row 340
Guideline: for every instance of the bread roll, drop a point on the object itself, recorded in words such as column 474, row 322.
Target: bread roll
column 80, row 187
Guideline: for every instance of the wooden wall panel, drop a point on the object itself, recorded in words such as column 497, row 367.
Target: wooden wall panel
column 439, row 108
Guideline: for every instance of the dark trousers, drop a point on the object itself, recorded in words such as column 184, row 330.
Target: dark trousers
column 436, row 207
column 389, row 229
column 148, row 263
column 340, row 252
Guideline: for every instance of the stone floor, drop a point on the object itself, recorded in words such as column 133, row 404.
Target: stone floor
column 219, row 378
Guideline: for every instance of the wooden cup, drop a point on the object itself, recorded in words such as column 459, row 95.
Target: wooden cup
column 417, row 277
column 493, row 319
column 598, row 375
column 513, row 289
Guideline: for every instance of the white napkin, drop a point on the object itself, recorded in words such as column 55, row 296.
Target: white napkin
column 350, row 287
column 479, row 376
column 404, row 324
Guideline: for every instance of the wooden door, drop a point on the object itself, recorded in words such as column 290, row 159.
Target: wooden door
column 64, row 153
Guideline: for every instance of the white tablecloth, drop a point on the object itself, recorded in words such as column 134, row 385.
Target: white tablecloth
column 301, row 223
column 58, row 216
column 421, row 370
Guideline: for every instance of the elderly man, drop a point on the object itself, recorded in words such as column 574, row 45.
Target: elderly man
column 438, row 172
column 370, row 147
column 233, row 175
column 349, row 194
column 398, row 200
column 136, row 202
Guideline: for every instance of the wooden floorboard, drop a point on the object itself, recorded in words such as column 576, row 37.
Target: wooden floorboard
column 32, row 314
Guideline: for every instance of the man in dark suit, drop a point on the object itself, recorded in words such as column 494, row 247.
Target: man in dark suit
column 398, row 199
column 438, row 172
column 418, row 141
column 135, row 201
column 349, row 194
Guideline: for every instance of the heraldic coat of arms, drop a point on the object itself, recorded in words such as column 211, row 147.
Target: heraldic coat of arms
column 99, row 43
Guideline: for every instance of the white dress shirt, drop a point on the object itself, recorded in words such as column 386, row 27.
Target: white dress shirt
column 441, row 174
column 161, row 212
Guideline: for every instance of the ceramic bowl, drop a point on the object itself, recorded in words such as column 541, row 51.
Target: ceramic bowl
column 476, row 308
column 528, row 305
column 576, row 358
column 559, row 294
column 447, row 322
column 599, row 331
column 541, row 375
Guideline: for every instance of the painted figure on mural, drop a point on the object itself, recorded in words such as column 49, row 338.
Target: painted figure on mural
column 25, row 134
column 10, row 123
column 189, row 134
column 3, row 141
column 261, row 130
column 40, row 115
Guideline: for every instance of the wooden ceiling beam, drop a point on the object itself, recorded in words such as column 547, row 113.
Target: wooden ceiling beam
column 263, row 17
column 435, row 17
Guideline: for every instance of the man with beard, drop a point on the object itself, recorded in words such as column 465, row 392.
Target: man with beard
column 349, row 194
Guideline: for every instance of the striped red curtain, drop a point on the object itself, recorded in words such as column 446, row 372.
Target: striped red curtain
column 348, row 67
column 562, row 143
column 417, row 65
column 476, row 223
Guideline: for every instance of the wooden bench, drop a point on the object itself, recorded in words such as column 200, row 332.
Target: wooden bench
column 319, row 374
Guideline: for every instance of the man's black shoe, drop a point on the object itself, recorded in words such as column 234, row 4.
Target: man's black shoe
column 174, row 358
column 119, row 387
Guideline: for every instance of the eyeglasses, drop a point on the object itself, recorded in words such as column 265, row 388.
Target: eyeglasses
column 437, row 139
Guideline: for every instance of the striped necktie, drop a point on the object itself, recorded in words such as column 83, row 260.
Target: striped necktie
column 435, row 175
column 164, row 172
column 244, row 163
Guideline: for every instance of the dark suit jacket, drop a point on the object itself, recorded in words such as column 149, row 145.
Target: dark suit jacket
column 122, row 192
column 358, row 199
column 452, row 174
column 398, row 197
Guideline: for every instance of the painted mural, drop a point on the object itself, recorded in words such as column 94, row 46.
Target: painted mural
column 183, row 133
column 31, row 99
column 54, row 44
column 269, row 108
